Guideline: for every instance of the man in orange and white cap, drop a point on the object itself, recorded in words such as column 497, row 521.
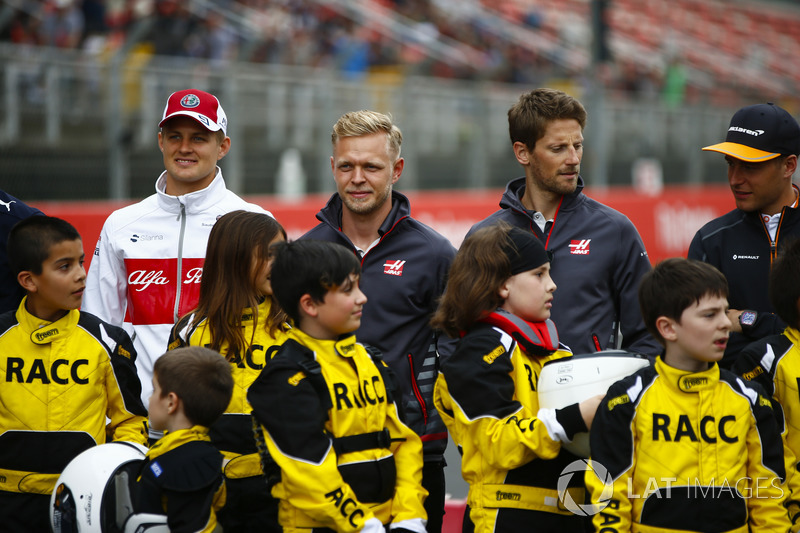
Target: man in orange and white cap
column 761, row 149
column 146, row 269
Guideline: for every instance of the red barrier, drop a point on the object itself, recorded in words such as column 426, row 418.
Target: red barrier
column 453, row 515
column 666, row 222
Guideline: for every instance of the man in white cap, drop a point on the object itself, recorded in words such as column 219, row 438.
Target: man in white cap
column 761, row 149
column 147, row 265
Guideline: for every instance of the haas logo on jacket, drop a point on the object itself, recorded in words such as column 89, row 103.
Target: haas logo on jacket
column 579, row 247
column 394, row 268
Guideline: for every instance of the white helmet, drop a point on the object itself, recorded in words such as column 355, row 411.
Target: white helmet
column 570, row 380
column 85, row 498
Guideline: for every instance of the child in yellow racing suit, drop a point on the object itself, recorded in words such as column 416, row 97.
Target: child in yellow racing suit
column 347, row 462
column 774, row 363
column 238, row 316
column 181, row 476
column 684, row 445
column 69, row 378
column 498, row 299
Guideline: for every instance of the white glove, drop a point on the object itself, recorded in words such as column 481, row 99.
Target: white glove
column 373, row 525
column 417, row 525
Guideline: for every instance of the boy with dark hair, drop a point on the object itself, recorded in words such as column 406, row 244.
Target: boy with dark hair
column 774, row 362
column 686, row 445
column 70, row 381
column 182, row 472
column 346, row 461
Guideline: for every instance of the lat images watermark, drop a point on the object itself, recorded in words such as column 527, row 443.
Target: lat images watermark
column 745, row 487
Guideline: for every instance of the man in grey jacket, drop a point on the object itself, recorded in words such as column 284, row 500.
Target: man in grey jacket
column 404, row 266
column 598, row 255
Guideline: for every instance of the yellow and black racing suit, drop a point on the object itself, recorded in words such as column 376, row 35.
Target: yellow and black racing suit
column 181, row 477
column 67, row 385
column 511, row 449
column 345, row 457
column 774, row 363
column 687, row 451
column 248, row 504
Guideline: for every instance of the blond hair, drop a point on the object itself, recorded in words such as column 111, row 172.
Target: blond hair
column 365, row 122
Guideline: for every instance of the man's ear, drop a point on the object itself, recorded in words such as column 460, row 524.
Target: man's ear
column 790, row 165
column 26, row 279
column 397, row 170
column 224, row 147
column 667, row 328
column 522, row 153
column 308, row 306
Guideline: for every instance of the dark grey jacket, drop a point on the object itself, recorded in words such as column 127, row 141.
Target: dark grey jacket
column 739, row 245
column 12, row 210
column 598, row 260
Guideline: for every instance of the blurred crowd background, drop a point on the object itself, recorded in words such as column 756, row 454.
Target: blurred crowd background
column 84, row 82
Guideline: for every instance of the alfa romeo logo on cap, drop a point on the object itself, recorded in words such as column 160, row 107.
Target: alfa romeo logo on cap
column 190, row 100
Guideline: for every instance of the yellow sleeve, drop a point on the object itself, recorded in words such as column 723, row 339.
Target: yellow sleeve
column 409, row 494
column 766, row 464
column 787, row 406
column 444, row 404
column 613, row 462
column 318, row 490
column 284, row 400
column 792, row 485
column 127, row 415
column 614, row 507
column 484, row 407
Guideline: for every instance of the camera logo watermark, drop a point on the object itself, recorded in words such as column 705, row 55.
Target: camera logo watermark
column 585, row 509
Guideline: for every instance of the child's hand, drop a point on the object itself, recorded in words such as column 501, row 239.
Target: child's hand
column 589, row 408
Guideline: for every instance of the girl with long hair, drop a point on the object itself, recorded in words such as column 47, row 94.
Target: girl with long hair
column 238, row 316
column 498, row 299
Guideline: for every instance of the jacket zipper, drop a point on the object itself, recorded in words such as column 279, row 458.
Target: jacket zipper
column 773, row 243
column 355, row 250
column 533, row 223
column 178, row 274
column 417, row 393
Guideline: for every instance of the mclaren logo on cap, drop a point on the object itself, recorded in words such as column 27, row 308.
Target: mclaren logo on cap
column 745, row 130
column 190, row 101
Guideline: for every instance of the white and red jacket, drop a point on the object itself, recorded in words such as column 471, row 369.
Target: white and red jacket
column 147, row 265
